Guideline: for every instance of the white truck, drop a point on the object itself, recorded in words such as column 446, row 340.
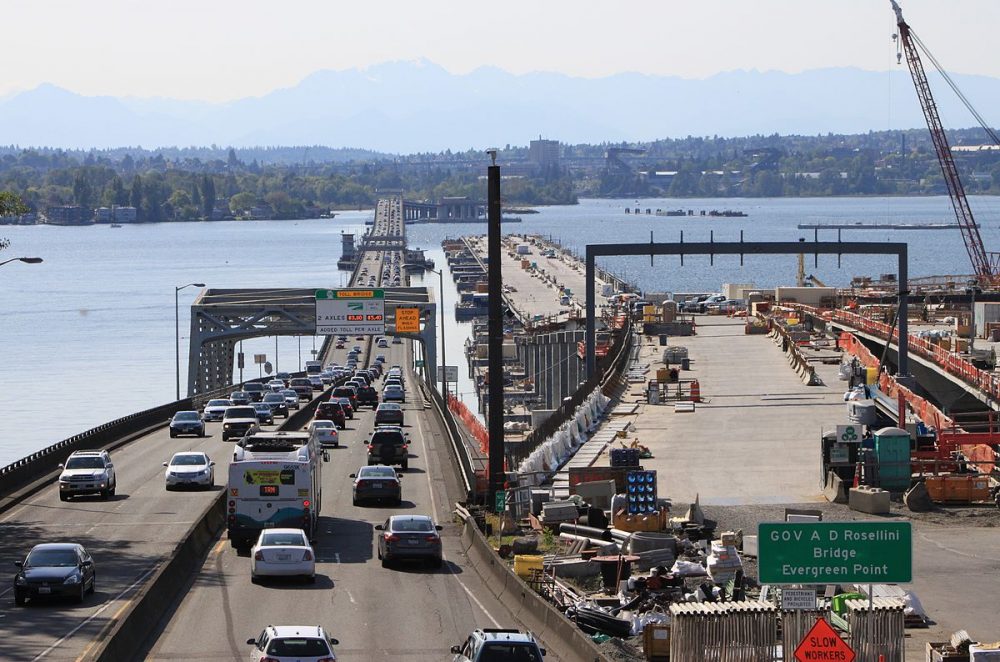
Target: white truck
column 314, row 367
column 275, row 481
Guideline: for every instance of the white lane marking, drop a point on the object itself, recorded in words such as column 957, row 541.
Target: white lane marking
column 351, row 597
column 94, row 615
column 6, row 591
column 92, row 525
column 336, row 555
column 430, row 488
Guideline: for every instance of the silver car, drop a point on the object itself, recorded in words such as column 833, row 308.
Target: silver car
column 215, row 409
column 409, row 537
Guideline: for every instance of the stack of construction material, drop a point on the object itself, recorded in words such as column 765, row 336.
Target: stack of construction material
column 556, row 512
column 724, row 560
column 653, row 549
column 625, row 457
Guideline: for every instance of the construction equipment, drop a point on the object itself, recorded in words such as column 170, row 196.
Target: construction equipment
column 986, row 264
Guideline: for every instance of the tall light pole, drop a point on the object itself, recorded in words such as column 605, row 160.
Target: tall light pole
column 177, row 331
column 26, row 260
column 444, row 364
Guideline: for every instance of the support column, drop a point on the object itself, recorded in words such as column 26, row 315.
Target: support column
column 495, row 288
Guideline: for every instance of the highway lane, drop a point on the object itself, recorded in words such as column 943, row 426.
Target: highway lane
column 128, row 535
column 406, row 611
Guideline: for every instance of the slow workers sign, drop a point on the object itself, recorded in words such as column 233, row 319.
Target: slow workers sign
column 823, row 644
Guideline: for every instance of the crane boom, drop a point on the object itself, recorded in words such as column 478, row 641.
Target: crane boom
column 984, row 264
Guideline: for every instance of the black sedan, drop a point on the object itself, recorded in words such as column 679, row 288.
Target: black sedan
column 277, row 403
column 264, row 415
column 187, row 422
column 409, row 537
column 54, row 570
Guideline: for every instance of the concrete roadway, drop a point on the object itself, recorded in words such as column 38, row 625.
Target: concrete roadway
column 407, row 611
column 128, row 536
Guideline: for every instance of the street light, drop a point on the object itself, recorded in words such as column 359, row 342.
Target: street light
column 177, row 331
column 444, row 368
column 26, row 260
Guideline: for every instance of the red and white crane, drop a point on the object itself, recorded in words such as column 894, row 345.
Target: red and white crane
column 985, row 264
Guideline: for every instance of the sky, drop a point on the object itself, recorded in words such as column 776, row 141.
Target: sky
column 219, row 50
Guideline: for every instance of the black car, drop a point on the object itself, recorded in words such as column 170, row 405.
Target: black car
column 302, row 386
column 256, row 391
column 54, row 570
column 187, row 422
column 332, row 411
column 368, row 395
column 389, row 445
column 277, row 403
column 264, row 414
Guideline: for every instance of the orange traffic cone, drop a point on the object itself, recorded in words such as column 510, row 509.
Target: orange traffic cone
column 695, row 391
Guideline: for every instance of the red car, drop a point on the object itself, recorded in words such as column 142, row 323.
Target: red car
column 332, row 411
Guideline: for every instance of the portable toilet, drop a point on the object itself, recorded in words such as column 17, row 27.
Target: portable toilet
column 892, row 447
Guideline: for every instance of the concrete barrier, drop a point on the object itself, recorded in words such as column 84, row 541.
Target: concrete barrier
column 546, row 622
column 124, row 637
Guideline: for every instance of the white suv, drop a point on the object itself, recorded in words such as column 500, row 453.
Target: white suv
column 301, row 643
column 87, row 472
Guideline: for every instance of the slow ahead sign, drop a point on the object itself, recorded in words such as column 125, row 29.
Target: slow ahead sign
column 835, row 553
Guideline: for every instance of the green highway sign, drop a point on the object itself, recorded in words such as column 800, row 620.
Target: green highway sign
column 835, row 552
column 501, row 501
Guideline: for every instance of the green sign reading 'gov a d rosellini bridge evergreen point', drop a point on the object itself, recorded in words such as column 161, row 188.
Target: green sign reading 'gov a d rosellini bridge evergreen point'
column 835, row 552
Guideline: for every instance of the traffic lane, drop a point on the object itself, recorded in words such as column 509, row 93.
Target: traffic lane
column 127, row 536
column 409, row 611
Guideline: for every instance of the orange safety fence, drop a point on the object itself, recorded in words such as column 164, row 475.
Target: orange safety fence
column 472, row 424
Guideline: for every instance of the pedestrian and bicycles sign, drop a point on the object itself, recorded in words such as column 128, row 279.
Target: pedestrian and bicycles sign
column 835, row 553
column 849, row 434
column 350, row 311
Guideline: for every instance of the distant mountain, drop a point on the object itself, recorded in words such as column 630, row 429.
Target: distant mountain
column 406, row 107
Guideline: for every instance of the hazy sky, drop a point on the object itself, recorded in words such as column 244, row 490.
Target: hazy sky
column 225, row 49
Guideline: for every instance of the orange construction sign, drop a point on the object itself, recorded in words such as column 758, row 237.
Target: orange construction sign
column 823, row 644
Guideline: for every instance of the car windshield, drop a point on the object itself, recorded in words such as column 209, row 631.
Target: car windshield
column 274, row 397
column 219, row 403
column 51, row 557
column 284, row 539
column 418, row 525
column 377, row 472
column 509, row 652
column 186, row 416
column 389, row 406
column 261, row 406
column 253, row 387
column 84, row 463
column 386, row 438
column 289, row 393
column 241, row 412
column 188, row 459
column 298, row 647
column 323, row 424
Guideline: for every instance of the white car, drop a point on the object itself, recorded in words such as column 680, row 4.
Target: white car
column 190, row 469
column 295, row 643
column 282, row 553
column 291, row 398
column 276, row 385
column 215, row 409
column 326, row 433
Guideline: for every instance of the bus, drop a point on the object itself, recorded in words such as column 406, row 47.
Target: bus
column 275, row 481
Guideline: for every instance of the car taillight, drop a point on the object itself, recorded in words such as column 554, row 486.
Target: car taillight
column 269, row 659
column 404, row 447
column 258, row 556
column 307, row 556
column 326, row 659
column 389, row 537
column 434, row 539
column 370, row 447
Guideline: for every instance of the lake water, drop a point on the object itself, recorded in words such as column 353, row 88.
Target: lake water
column 88, row 335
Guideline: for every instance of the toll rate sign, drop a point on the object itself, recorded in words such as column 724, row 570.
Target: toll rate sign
column 353, row 311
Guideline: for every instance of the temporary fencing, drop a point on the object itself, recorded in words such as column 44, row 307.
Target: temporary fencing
column 471, row 423
column 744, row 631
column 876, row 630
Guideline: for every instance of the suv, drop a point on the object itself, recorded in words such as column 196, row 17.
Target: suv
column 347, row 391
column 367, row 395
column 389, row 445
column 332, row 411
column 87, row 472
column 498, row 644
column 256, row 391
column 293, row 642
column 238, row 422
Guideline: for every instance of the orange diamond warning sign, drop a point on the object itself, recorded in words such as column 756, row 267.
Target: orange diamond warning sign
column 823, row 644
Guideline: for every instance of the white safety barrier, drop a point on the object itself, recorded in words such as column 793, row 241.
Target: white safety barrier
column 558, row 448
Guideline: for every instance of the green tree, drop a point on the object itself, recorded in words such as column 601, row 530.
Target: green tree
column 135, row 198
column 208, row 195
column 241, row 202
column 11, row 204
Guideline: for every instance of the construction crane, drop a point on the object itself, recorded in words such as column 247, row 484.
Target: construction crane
column 984, row 264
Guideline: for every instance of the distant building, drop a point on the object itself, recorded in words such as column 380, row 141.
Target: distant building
column 124, row 214
column 544, row 152
column 103, row 215
column 261, row 212
column 68, row 215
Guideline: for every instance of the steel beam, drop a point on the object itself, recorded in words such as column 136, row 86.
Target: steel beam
column 741, row 248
